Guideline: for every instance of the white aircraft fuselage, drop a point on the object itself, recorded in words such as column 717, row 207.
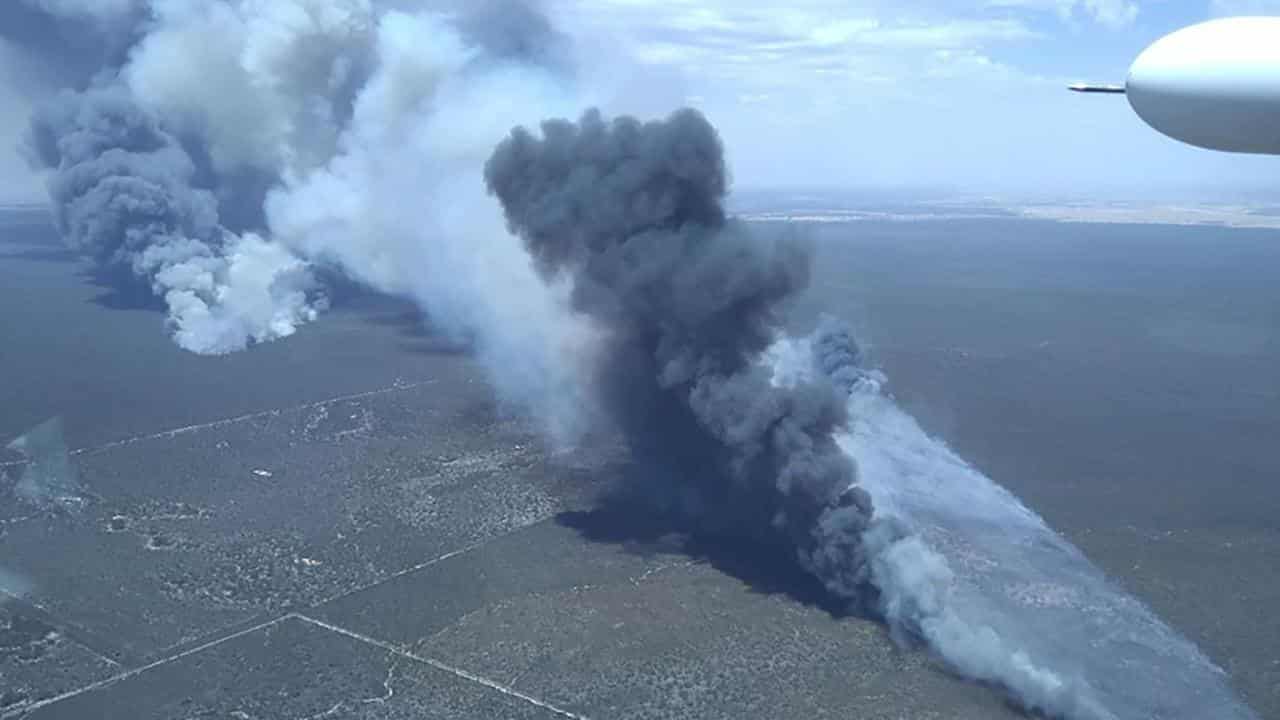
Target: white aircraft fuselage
column 1214, row 85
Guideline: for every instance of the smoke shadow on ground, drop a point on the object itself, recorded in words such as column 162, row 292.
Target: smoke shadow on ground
column 121, row 290
column 620, row 518
column 415, row 329
column 410, row 323
column 29, row 235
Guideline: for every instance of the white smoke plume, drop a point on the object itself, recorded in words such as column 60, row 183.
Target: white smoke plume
column 420, row 130
column 962, row 565
column 237, row 147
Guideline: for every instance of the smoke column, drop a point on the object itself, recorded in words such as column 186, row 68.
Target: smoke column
column 123, row 196
column 746, row 439
column 135, row 197
column 222, row 156
column 689, row 301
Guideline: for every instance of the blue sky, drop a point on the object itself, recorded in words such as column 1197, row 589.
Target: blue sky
column 962, row 94
column 969, row 95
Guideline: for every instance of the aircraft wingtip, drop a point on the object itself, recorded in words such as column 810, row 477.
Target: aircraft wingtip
column 1091, row 88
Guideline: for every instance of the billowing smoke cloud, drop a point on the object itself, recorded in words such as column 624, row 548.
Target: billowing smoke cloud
column 137, row 176
column 220, row 154
column 836, row 354
column 689, row 302
column 402, row 206
column 122, row 195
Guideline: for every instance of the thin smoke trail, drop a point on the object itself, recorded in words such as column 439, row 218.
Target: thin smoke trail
column 1002, row 597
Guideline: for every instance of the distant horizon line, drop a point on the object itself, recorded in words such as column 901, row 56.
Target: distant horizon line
column 1214, row 194
column 933, row 192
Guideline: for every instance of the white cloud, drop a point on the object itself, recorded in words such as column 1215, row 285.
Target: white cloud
column 1112, row 14
column 1227, row 8
column 865, row 44
column 870, row 92
column 848, row 84
column 769, row 45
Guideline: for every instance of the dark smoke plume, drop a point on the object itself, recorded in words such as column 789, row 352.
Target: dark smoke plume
column 226, row 157
column 122, row 194
column 837, row 355
column 689, row 300
column 142, row 171
column 515, row 30
column 633, row 214
column 123, row 190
